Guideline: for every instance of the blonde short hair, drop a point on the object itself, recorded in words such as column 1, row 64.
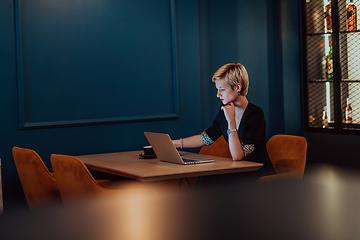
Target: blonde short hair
column 233, row 74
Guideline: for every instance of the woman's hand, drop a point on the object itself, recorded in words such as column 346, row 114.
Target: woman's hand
column 236, row 150
column 229, row 112
column 190, row 142
column 177, row 143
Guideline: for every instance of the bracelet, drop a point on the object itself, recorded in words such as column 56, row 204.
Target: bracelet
column 181, row 143
column 231, row 130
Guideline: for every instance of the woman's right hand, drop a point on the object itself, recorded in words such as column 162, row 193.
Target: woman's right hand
column 229, row 112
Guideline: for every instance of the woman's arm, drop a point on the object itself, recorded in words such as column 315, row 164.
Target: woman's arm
column 237, row 153
column 190, row 142
column 236, row 150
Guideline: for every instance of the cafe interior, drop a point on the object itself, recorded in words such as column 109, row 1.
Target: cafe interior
column 81, row 81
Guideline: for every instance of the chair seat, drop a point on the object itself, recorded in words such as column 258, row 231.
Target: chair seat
column 105, row 183
column 287, row 154
column 74, row 179
column 219, row 148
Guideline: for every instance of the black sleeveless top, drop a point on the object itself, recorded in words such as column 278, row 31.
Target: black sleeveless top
column 251, row 133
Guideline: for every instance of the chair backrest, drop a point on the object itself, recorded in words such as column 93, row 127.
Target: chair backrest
column 219, row 148
column 73, row 178
column 38, row 184
column 287, row 153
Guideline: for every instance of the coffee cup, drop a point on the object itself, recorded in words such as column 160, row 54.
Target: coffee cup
column 148, row 151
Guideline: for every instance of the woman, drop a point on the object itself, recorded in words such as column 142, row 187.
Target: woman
column 240, row 122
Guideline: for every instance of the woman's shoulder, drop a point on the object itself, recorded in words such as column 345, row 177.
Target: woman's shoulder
column 254, row 113
column 252, row 108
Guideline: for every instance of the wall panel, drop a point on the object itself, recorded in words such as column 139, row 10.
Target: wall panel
column 92, row 62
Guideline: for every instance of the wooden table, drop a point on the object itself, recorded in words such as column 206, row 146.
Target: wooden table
column 131, row 165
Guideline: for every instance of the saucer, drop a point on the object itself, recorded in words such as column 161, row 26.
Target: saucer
column 143, row 155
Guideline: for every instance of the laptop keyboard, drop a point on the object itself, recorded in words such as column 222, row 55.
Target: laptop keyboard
column 191, row 159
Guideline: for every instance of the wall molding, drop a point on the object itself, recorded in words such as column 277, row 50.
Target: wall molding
column 25, row 124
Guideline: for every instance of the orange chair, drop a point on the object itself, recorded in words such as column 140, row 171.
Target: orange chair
column 219, row 148
column 288, row 156
column 74, row 179
column 39, row 185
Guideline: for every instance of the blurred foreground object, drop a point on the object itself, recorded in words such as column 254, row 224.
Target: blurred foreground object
column 324, row 205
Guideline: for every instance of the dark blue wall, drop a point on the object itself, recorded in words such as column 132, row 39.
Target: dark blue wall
column 82, row 77
column 264, row 35
column 291, row 65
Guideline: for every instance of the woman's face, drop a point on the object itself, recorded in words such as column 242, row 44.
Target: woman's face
column 224, row 92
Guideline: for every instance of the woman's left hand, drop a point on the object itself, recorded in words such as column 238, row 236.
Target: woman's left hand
column 229, row 111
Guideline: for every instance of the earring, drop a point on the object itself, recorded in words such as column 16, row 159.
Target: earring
column 238, row 93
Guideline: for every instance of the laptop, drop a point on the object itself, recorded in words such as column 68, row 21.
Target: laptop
column 166, row 151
